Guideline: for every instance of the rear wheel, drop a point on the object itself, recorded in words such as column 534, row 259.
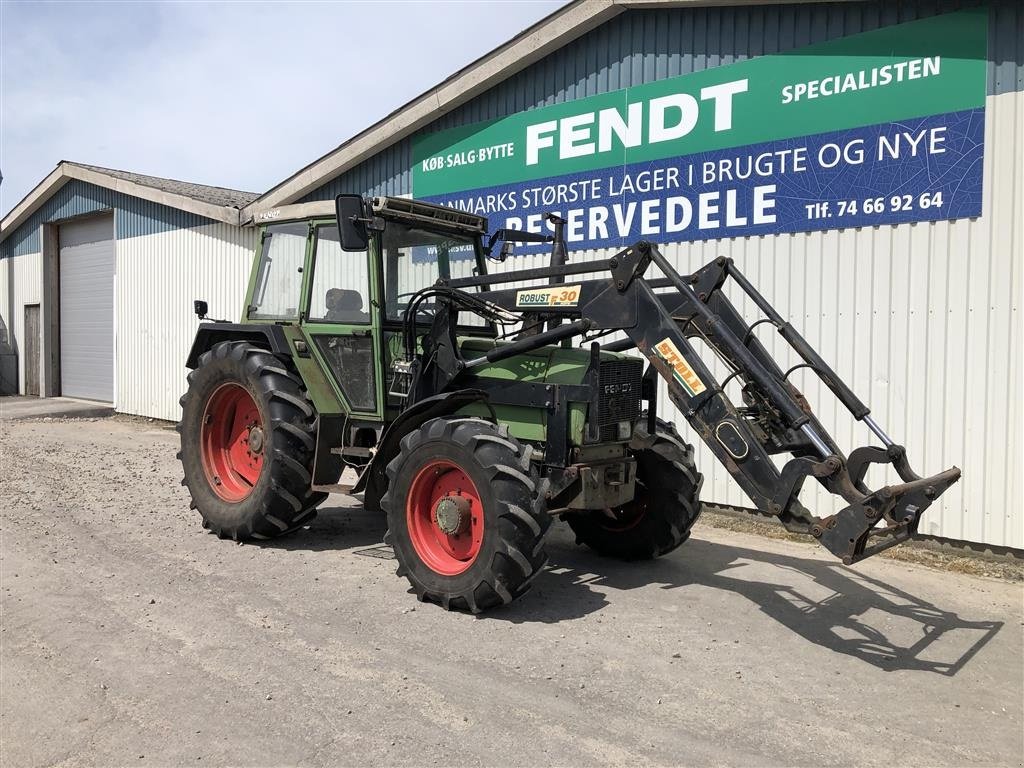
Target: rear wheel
column 665, row 507
column 247, row 443
column 465, row 514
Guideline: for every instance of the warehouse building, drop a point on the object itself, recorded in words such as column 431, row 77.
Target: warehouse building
column 99, row 268
column 861, row 161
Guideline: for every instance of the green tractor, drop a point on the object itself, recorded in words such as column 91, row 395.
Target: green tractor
column 377, row 356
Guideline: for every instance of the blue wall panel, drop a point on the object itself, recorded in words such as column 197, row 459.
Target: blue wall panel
column 641, row 46
column 76, row 198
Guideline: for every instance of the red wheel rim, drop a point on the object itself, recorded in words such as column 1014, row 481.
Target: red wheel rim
column 445, row 518
column 233, row 442
column 628, row 515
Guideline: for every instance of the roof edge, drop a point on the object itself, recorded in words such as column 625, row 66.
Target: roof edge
column 66, row 171
column 535, row 42
column 30, row 202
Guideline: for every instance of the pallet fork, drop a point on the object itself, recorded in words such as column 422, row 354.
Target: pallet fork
column 660, row 316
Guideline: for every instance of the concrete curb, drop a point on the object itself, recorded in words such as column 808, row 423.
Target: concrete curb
column 21, row 408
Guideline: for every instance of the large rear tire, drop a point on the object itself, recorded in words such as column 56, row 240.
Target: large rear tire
column 665, row 507
column 466, row 517
column 248, row 435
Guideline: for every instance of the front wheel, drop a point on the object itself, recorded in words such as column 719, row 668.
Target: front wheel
column 664, row 508
column 465, row 515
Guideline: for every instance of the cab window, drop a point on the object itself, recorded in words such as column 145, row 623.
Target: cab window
column 415, row 258
column 340, row 290
column 279, row 273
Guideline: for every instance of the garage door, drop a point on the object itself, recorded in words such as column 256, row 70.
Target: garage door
column 87, row 309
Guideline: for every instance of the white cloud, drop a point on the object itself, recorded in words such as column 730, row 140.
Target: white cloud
column 234, row 94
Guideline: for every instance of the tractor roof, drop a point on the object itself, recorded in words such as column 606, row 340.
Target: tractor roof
column 388, row 207
column 407, row 208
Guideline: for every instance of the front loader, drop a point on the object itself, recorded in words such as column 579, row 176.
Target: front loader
column 377, row 356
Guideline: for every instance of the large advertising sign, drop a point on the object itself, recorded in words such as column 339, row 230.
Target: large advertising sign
column 881, row 127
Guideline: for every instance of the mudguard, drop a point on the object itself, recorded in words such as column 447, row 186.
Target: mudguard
column 373, row 481
column 269, row 335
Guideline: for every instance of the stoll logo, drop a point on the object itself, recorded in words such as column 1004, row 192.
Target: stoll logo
column 681, row 370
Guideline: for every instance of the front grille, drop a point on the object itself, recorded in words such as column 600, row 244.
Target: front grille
column 618, row 396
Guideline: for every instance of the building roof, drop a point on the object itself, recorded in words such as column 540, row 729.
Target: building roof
column 554, row 31
column 232, row 198
column 216, row 203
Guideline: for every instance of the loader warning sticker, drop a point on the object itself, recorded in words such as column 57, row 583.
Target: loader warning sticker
column 681, row 370
column 559, row 296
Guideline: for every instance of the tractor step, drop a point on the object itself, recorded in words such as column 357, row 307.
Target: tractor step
column 345, row 483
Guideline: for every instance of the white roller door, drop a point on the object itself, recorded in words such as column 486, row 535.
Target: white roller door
column 87, row 309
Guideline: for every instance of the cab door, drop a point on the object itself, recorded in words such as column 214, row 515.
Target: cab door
column 342, row 325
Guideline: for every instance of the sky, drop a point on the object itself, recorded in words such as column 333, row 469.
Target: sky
column 233, row 94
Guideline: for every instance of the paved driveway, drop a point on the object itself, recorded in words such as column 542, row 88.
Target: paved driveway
column 131, row 637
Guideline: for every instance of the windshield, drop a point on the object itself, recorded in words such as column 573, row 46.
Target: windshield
column 415, row 258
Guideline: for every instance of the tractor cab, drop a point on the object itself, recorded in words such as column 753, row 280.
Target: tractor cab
column 339, row 296
column 306, row 270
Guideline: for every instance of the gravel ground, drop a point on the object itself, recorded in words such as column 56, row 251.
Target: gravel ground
column 131, row 637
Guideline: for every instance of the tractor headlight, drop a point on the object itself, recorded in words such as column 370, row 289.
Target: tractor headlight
column 625, row 430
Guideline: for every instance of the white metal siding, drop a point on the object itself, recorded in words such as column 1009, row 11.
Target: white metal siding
column 21, row 280
column 87, row 309
column 158, row 276
column 923, row 320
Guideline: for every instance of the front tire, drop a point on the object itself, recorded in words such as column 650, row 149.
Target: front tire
column 664, row 509
column 247, row 443
column 466, row 517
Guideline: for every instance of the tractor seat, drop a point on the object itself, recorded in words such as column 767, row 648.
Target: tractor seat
column 345, row 306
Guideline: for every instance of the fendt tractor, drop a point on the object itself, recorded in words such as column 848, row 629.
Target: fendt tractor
column 377, row 356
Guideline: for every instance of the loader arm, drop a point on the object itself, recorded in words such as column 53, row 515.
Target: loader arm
column 660, row 317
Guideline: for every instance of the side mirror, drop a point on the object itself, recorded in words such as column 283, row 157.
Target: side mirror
column 201, row 308
column 351, row 213
column 507, row 249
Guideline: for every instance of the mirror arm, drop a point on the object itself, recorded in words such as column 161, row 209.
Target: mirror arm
column 514, row 236
column 372, row 223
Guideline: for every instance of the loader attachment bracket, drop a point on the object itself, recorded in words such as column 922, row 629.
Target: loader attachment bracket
column 630, row 263
column 861, row 458
column 791, row 480
column 850, row 534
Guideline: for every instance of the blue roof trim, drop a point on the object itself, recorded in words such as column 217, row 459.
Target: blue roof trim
column 135, row 216
column 641, row 46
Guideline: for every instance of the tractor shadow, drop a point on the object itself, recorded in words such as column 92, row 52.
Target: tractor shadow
column 824, row 602
column 335, row 528
column 828, row 604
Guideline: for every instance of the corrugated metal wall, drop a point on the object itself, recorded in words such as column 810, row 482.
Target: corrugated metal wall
column 158, row 276
column 922, row 319
column 21, row 282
